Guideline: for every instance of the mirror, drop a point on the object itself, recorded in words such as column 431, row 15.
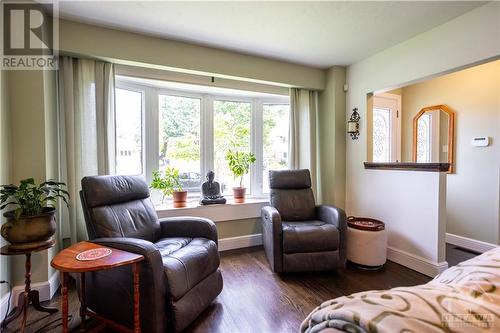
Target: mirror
column 433, row 135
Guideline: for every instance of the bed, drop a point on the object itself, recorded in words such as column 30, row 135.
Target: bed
column 464, row 298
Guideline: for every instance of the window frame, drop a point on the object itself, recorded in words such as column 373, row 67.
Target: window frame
column 392, row 103
column 150, row 121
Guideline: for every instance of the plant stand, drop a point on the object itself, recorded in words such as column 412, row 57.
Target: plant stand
column 28, row 296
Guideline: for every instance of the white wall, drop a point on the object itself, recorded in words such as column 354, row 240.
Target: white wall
column 470, row 38
column 414, row 222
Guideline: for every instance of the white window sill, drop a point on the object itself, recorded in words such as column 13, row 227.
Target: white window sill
column 217, row 213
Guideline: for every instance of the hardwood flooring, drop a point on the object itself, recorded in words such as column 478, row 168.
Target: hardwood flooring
column 455, row 254
column 256, row 300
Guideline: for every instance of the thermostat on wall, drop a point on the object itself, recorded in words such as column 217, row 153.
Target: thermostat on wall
column 480, row 141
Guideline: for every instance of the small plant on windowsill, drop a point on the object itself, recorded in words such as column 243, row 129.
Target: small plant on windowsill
column 32, row 222
column 168, row 182
column 239, row 163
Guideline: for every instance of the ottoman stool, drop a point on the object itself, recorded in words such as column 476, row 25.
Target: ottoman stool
column 366, row 242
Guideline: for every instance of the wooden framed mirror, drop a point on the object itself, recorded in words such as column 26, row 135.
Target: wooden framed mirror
column 434, row 136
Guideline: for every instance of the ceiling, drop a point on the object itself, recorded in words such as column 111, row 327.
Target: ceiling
column 318, row 34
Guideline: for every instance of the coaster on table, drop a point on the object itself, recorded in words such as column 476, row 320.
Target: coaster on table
column 93, row 254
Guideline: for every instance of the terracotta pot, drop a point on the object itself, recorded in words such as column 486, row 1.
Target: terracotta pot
column 29, row 232
column 239, row 194
column 180, row 199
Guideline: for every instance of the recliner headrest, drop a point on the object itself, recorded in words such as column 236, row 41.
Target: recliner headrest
column 109, row 190
column 289, row 179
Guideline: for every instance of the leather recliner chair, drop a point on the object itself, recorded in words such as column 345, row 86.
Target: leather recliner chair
column 180, row 275
column 297, row 234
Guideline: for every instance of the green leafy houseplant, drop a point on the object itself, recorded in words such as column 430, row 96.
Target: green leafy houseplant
column 168, row 182
column 31, row 223
column 29, row 198
column 239, row 163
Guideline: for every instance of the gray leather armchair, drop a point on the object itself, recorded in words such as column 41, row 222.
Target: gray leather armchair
column 180, row 275
column 297, row 234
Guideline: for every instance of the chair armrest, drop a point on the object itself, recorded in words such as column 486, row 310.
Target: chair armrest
column 271, row 215
column 134, row 245
column 187, row 226
column 272, row 237
column 337, row 217
column 332, row 215
column 116, row 283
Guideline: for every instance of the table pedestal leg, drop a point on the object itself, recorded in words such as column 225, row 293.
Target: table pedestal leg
column 83, row 302
column 137, row 322
column 25, row 298
column 64, row 303
column 35, row 301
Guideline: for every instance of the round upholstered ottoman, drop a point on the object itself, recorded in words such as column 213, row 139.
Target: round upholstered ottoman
column 366, row 242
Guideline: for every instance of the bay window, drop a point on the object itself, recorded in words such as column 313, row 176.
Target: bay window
column 192, row 129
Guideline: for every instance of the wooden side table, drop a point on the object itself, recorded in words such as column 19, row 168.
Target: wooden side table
column 28, row 296
column 66, row 262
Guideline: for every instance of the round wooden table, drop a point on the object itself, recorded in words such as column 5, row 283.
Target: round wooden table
column 66, row 262
column 28, row 296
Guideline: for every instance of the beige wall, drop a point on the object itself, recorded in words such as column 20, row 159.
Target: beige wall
column 473, row 190
column 4, row 172
column 238, row 228
column 33, row 141
column 332, row 138
column 471, row 38
column 134, row 49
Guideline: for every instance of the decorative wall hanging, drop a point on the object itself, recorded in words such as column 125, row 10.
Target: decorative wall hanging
column 353, row 124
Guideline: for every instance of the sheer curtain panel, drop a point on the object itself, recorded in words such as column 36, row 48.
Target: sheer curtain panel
column 303, row 133
column 86, row 130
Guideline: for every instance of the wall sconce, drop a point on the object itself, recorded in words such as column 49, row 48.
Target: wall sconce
column 353, row 124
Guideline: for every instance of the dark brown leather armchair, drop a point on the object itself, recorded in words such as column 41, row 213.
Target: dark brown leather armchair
column 297, row 234
column 180, row 275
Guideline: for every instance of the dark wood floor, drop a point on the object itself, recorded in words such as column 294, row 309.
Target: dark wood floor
column 256, row 300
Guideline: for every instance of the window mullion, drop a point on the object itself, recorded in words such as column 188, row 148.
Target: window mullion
column 151, row 134
column 207, row 135
column 257, row 148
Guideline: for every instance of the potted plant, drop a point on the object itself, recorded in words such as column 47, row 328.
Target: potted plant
column 32, row 223
column 239, row 164
column 168, row 182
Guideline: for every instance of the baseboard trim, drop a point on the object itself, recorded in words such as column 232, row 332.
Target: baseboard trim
column 240, row 242
column 469, row 243
column 417, row 263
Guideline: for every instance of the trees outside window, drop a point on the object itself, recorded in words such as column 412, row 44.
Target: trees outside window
column 179, row 134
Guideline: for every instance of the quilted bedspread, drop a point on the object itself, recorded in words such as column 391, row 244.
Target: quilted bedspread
column 464, row 298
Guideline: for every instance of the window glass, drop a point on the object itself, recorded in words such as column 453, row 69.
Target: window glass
column 276, row 126
column 179, row 134
column 231, row 132
column 128, row 110
column 424, row 139
column 381, row 135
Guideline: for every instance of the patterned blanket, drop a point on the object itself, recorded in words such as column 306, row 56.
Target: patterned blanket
column 464, row 298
